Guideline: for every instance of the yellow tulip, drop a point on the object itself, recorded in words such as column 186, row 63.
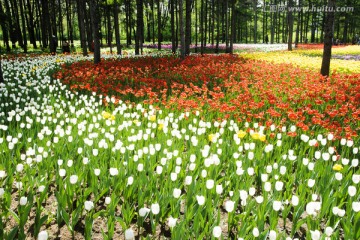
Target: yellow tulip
column 337, row 167
column 152, row 118
column 211, row 137
column 255, row 136
column 241, row 134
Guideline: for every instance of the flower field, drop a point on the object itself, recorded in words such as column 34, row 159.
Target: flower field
column 345, row 59
column 213, row 146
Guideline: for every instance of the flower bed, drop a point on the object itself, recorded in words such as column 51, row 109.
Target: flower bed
column 237, row 149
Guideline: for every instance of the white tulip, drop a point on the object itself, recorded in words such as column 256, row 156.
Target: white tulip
column 279, row 185
column 107, row 200
column 272, row 235
column 2, row 173
column 209, row 184
column 352, row 191
column 356, row 206
column 143, row 211
column 255, row 232
column 219, row 189
column 267, row 186
column 114, row 171
column 73, row 179
column 155, row 208
column 176, row 193
column 172, row 222
column 129, row 234
column 130, row 180
column 259, row 199
column 311, row 183
column 188, row 180
column 356, row 178
column 23, row 201
column 43, row 235
column 216, row 232
column 329, row 231
column 88, row 205
column 229, row 206
column 277, row 205
column 62, row 172
column 295, row 200
column 315, row 235
column 97, row 172
column 200, row 200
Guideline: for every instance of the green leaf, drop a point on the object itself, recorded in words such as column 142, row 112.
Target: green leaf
column 17, row 219
column 12, row 233
column 43, row 220
column 65, row 216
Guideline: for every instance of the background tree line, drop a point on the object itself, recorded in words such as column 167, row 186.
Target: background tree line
column 205, row 22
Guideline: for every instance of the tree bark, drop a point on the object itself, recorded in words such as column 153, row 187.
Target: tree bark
column 30, row 24
column 94, row 10
column 159, row 24
column 81, row 16
column 23, row 23
column 10, row 25
column 290, row 26
column 328, row 39
column 139, row 26
column 15, row 14
column 255, row 2
column 117, row 30
column 172, row 23
column 182, row 32
column 4, row 27
column 188, row 27
column 233, row 18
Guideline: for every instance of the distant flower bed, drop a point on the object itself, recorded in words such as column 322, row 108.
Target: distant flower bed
column 306, row 59
column 228, row 85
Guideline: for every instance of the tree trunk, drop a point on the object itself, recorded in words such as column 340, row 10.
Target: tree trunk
column 15, row 14
column 23, row 23
column 153, row 20
column 227, row 26
column 30, row 24
column 329, row 25
column 128, row 13
column 109, row 30
column 4, row 27
column 69, row 22
column 182, row 32
column 205, row 22
column 255, row 20
column 217, row 26
column 297, row 28
column 159, row 24
column 81, row 16
column 10, row 24
column 196, row 26
column 202, row 46
column 176, row 24
column 117, row 30
column 139, row 26
column 188, row 27
column 233, row 18
column 94, row 10
column 290, row 26
column 172, row 23
column 273, row 23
